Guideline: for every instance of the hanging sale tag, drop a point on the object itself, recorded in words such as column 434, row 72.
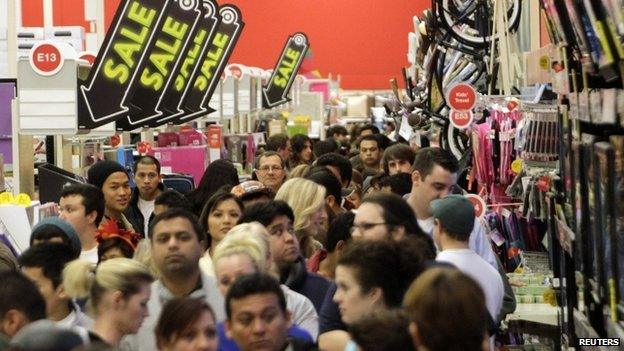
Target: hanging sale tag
column 276, row 92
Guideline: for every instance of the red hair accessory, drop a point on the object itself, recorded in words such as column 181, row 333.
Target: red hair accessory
column 110, row 229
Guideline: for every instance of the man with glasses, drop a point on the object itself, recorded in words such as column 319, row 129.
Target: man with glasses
column 278, row 219
column 270, row 170
column 148, row 186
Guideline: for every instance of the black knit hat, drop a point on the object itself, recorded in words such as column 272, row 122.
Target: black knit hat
column 100, row 171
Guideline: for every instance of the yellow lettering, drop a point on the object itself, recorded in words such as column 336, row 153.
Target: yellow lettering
column 201, row 83
column 161, row 61
column 292, row 54
column 170, row 48
column 119, row 71
column 126, row 52
column 175, row 28
column 137, row 38
column 180, row 81
column 285, row 72
column 220, row 40
column 280, row 81
column 212, row 57
column 140, row 14
column 153, row 80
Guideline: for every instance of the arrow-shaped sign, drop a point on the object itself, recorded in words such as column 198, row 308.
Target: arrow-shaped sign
column 283, row 76
column 194, row 102
column 184, row 34
column 126, row 45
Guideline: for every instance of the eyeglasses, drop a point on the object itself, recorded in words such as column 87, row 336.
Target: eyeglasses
column 271, row 168
column 365, row 226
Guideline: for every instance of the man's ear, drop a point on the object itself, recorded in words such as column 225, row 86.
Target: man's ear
column 398, row 233
column 330, row 201
column 60, row 292
column 416, row 179
column 12, row 322
column 91, row 217
column 340, row 245
column 377, row 294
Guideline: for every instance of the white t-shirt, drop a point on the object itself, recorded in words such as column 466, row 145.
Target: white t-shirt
column 482, row 272
column 479, row 241
column 303, row 313
column 90, row 255
column 146, row 208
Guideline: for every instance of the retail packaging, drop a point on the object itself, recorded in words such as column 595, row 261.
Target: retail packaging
column 168, row 139
column 192, row 137
column 191, row 160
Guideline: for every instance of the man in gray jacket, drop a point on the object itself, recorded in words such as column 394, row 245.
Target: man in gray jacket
column 176, row 245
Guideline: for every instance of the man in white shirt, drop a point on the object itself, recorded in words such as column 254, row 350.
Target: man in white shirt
column 454, row 219
column 434, row 173
column 148, row 186
column 43, row 264
column 177, row 242
column 82, row 206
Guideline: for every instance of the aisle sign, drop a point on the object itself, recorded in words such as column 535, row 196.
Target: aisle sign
column 461, row 119
column 146, row 93
column 46, row 59
column 122, row 56
column 478, row 203
column 276, row 91
column 461, row 97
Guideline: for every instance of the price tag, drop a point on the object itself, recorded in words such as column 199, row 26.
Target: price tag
column 6, row 198
column 46, row 59
column 478, row 203
column 461, row 119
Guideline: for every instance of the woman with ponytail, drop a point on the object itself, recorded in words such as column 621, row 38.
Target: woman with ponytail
column 117, row 291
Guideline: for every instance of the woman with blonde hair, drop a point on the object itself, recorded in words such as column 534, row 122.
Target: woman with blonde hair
column 118, row 290
column 246, row 250
column 447, row 311
column 307, row 200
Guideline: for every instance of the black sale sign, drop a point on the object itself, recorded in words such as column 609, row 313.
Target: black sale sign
column 185, row 31
column 276, row 91
column 204, row 80
column 122, row 56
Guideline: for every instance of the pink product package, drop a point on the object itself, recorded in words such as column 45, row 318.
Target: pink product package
column 191, row 160
column 192, row 137
column 168, row 139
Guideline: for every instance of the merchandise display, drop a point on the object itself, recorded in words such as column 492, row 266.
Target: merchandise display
column 219, row 179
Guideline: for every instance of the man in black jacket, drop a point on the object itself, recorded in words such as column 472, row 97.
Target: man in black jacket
column 148, row 186
column 278, row 218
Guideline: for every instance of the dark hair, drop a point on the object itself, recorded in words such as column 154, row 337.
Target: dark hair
column 92, row 198
column 17, row 292
column 177, row 315
column 382, row 330
column 383, row 141
column 323, row 176
column 254, row 284
column 298, row 142
column 217, row 175
column 339, row 230
column 336, row 129
column 400, row 183
column 399, row 151
column 214, row 201
column 172, row 198
column 370, row 127
column 338, row 161
column 146, row 160
column 323, row 147
column 427, row 158
column 277, row 142
column 50, row 257
column 396, row 212
column 441, row 292
column 49, row 231
column 269, row 154
column 385, row 264
column 370, row 137
column 266, row 212
column 115, row 242
column 178, row 213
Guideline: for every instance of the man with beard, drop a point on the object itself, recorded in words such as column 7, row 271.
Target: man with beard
column 177, row 242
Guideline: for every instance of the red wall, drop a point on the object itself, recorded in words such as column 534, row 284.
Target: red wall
column 365, row 41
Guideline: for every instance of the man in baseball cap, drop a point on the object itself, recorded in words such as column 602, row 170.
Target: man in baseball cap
column 454, row 218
